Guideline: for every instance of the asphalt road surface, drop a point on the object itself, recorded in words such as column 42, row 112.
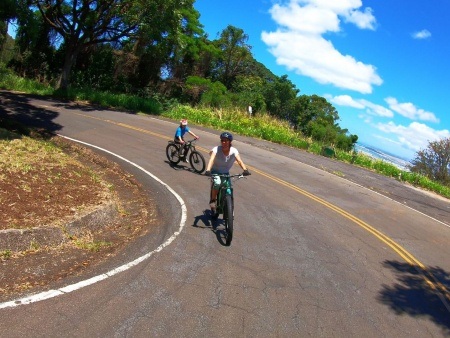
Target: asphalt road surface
column 320, row 248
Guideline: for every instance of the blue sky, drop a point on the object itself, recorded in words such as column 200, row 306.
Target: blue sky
column 383, row 65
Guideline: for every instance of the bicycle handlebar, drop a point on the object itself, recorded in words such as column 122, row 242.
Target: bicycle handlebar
column 238, row 176
column 227, row 175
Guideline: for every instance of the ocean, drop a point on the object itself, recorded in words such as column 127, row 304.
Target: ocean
column 378, row 154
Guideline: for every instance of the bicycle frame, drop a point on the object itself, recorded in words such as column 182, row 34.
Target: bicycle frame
column 188, row 145
column 190, row 154
column 225, row 188
column 225, row 202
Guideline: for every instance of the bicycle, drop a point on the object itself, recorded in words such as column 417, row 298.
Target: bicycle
column 225, row 202
column 196, row 160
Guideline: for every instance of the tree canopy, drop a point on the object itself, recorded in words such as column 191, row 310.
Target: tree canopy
column 158, row 48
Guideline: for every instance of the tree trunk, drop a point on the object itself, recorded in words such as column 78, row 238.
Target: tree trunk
column 69, row 61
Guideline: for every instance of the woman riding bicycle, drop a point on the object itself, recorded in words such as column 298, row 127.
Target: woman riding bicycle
column 221, row 160
column 179, row 137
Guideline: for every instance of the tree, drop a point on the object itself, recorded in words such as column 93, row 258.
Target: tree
column 235, row 53
column 434, row 161
column 8, row 11
column 249, row 91
column 314, row 109
column 280, row 96
column 82, row 23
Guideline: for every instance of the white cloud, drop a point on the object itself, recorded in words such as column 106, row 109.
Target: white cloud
column 345, row 100
column 299, row 45
column 371, row 108
column 423, row 34
column 410, row 111
column 416, row 136
column 363, row 20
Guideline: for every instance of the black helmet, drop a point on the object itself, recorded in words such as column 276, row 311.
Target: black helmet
column 226, row 135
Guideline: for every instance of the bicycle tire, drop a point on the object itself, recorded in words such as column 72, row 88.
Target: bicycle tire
column 172, row 153
column 228, row 217
column 197, row 161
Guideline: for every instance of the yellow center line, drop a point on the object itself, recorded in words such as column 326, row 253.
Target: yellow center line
column 402, row 252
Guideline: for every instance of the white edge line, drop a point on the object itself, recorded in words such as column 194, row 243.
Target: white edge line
column 61, row 291
column 373, row 191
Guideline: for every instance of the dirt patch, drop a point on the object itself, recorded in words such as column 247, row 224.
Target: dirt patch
column 62, row 243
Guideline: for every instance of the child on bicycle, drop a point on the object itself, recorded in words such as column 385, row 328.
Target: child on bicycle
column 221, row 160
column 179, row 138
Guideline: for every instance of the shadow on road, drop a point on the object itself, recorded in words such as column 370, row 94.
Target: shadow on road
column 205, row 221
column 16, row 107
column 413, row 296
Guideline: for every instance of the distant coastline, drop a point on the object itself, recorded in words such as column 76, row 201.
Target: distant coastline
column 379, row 154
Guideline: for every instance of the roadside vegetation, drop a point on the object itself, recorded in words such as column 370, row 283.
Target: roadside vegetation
column 261, row 126
column 153, row 57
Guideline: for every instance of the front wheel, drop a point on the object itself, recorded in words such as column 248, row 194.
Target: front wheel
column 172, row 153
column 197, row 161
column 228, row 217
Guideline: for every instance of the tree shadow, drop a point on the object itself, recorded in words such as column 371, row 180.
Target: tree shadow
column 22, row 118
column 414, row 296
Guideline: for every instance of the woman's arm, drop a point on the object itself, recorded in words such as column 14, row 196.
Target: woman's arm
column 240, row 162
column 211, row 160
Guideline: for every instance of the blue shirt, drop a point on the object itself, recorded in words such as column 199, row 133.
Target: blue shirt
column 181, row 131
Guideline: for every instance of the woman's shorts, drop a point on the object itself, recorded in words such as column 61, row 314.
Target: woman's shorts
column 217, row 180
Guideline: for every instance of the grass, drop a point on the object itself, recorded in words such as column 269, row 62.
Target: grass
column 24, row 154
column 86, row 242
column 263, row 126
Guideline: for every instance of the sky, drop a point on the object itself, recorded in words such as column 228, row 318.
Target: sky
column 384, row 65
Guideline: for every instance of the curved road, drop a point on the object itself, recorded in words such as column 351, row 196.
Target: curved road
column 320, row 249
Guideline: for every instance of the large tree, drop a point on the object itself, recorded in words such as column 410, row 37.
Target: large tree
column 86, row 22
column 234, row 57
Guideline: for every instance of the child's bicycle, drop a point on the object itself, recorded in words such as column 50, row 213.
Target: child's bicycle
column 196, row 160
column 225, row 202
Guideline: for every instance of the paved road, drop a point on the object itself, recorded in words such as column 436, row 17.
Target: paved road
column 315, row 253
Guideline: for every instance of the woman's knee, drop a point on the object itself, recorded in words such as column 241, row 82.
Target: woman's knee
column 216, row 183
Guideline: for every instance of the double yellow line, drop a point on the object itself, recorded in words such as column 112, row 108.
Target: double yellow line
column 428, row 277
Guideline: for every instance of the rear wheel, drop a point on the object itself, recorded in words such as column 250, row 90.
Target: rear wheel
column 197, row 162
column 172, row 153
column 228, row 217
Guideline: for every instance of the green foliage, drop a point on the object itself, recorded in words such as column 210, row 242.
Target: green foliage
column 235, row 53
column 434, row 161
column 5, row 254
column 157, row 50
column 249, row 91
column 216, row 96
column 10, row 81
column 7, row 50
column 315, row 148
column 107, row 99
column 264, row 126
column 96, row 69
